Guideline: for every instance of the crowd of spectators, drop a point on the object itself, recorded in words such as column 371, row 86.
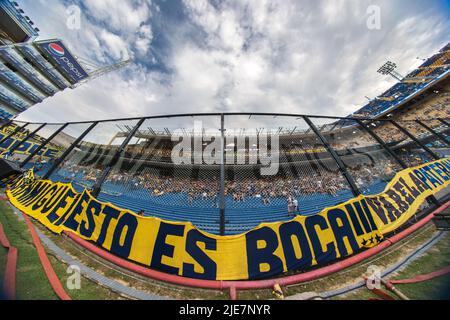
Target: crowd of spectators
column 307, row 181
column 433, row 108
column 309, row 177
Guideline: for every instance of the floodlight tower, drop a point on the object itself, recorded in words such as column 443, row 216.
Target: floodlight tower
column 389, row 69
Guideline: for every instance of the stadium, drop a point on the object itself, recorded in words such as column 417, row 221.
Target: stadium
column 236, row 205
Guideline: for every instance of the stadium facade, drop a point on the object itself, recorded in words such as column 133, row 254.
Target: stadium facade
column 15, row 27
column 30, row 70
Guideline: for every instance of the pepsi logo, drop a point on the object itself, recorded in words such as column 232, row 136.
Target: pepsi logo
column 57, row 49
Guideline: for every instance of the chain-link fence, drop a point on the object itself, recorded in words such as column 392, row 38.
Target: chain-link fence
column 33, row 143
column 366, row 160
column 408, row 150
column 226, row 173
column 84, row 165
column 279, row 168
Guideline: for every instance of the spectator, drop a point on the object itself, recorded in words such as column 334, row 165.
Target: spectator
column 290, row 207
column 295, row 202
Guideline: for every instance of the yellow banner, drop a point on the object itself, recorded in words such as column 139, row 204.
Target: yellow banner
column 268, row 250
column 27, row 147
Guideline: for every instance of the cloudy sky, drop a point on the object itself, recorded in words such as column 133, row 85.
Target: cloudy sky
column 291, row 56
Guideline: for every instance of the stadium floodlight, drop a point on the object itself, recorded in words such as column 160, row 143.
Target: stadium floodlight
column 389, row 69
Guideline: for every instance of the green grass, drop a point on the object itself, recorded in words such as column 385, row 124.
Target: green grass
column 32, row 284
column 435, row 259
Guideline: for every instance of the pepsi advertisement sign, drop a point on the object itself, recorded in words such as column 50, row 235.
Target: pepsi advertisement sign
column 63, row 60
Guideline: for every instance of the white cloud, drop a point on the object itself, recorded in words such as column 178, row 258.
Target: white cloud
column 309, row 57
column 120, row 15
column 116, row 47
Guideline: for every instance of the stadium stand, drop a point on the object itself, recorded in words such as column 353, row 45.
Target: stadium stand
column 4, row 115
column 425, row 75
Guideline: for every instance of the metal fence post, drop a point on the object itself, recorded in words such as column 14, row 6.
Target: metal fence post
column 98, row 184
column 382, row 143
column 68, row 150
column 31, row 134
column 437, row 134
column 38, row 149
column 412, row 137
column 222, row 175
column 336, row 157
